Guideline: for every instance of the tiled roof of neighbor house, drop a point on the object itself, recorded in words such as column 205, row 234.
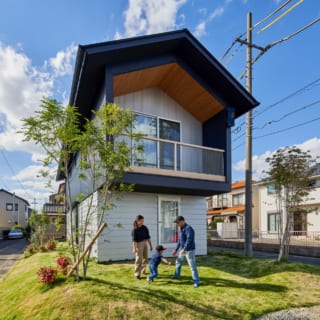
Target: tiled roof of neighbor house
column 238, row 184
column 231, row 210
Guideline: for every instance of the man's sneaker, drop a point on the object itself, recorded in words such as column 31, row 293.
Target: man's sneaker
column 149, row 280
column 195, row 285
column 138, row 277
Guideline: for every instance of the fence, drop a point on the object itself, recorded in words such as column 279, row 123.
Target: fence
column 299, row 238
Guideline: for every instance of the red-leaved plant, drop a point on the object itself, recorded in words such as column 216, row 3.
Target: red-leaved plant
column 47, row 275
column 51, row 245
column 63, row 263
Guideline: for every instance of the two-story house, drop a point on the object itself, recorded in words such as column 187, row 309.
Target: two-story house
column 13, row 210
column 56, row 211
column 305, row 221
column 230, row 207
column 185, row 103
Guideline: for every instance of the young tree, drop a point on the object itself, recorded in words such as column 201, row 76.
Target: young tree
column 38, row 224
column 290, row 170
column 104, row 149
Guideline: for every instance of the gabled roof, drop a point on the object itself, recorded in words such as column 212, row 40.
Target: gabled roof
column 14, row 195
column 176, row 62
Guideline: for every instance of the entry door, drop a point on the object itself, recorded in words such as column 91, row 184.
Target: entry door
column 169, row 209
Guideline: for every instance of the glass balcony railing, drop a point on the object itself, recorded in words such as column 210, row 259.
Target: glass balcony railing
column 179, row 157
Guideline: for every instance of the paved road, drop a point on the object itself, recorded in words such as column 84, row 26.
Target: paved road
column 268, row 255
column 10, row 252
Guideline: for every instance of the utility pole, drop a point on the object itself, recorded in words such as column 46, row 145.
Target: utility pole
column 248, row 196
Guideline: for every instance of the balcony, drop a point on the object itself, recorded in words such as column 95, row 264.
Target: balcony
column 178, row 159
column 54, row 208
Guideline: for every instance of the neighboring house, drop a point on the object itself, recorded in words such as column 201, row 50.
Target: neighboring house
column 56, row 211
column 13, row 210
column 230, row 207
column 306, row 220
column 185, row 103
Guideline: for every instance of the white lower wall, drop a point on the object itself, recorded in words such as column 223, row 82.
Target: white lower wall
column 313, row 221
column 115, row 242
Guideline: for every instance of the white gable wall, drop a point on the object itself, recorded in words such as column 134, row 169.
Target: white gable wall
column 155, row 102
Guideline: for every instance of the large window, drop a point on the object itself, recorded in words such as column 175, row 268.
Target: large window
column 158, row 154
column 169, row 130
column 273, row 222
column 168, row 211
column 147, row 126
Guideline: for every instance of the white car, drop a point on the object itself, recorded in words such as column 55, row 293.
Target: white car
column 15, row 234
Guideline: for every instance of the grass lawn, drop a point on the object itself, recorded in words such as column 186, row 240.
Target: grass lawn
column 232, row 287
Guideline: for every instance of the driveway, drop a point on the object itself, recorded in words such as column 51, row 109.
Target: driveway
column 10, row 252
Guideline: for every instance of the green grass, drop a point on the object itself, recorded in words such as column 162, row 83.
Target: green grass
column 232, row 287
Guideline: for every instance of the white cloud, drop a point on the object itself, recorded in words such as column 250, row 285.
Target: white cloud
column 259, row 161
column 200, row 29
column 62, row 63
column 150, row 16
column 30, row 179
column 21, row 85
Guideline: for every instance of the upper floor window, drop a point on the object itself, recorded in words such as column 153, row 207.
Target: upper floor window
column 158, row 154
column 271, row 188
column 237, row 199
column 222, row 200
column 9, row 206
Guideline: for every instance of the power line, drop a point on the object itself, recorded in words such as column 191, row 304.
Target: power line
column 280, row 17
column 269, row 46
column 288, row 114
column 279, row 131
column 257, row 113
column 296, row 32
column 287, row 97
column 272, row 13
column 289, row 128
column 14, row 174
column 236, row 40
column 5, row 185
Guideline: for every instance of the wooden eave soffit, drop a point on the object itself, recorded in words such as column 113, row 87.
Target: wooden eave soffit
column 176, row 83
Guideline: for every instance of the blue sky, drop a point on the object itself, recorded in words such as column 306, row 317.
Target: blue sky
column 38, row 45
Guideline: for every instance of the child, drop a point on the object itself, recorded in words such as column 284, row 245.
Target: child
column 155, row 261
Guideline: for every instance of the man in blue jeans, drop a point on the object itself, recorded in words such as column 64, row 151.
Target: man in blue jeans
column 186, row 245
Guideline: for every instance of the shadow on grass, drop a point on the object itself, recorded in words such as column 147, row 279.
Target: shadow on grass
column 160, row 296
column 218, row 282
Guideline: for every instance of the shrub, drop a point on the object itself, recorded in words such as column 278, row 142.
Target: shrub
column 42, row 248
column 30, row 250
column 63, row 263
column 51, row 245
column 47, row 275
